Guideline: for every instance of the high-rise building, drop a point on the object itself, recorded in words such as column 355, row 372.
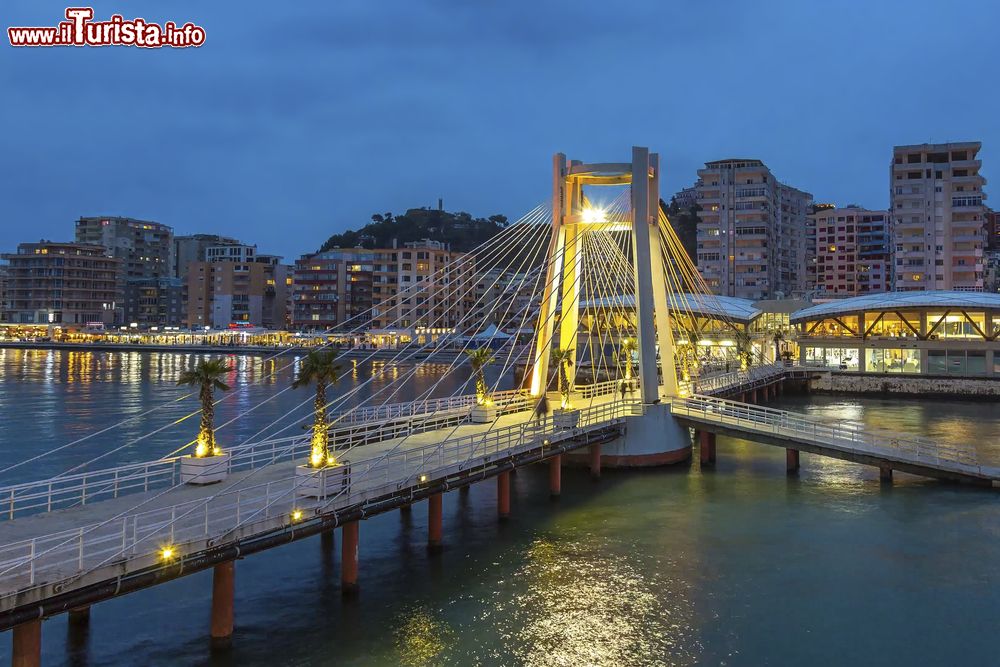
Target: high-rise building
column 146, row 252
column 61, row 283
column 751, row 231
column 145, row 248
column 992, row 229
column 223, row 293
column 938, row 217
column 333, row 289
column 192, row 248
column 852, row 251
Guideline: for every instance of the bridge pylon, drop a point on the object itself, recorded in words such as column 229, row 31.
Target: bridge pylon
column 561, row 294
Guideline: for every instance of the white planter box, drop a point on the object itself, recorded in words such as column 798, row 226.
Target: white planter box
column 204, row 470
column 567, row 419
column 483, row 414
column 322, row 482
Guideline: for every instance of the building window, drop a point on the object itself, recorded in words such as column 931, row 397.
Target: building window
column 893, row 361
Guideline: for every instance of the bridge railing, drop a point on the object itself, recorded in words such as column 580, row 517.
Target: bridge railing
column 598, row 389
column 737, row 378
column 237, row 512
column 377, row 423
column 842, row 434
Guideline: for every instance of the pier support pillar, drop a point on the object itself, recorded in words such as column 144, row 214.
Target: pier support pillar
column 349, row 558
column 465, row 489
column 595, row 461
column 706, row 445
column 555, row 475
column 406, row 509
column 80, row 616
column 753, row 396
column 326, row 541
column 434, row 522
column 885, row 472
column 743, row 398
column 223, row 590
column 791, row 460
column 503, row 494
column 27, row 646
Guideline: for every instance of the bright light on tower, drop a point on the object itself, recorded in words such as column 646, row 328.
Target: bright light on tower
column 592, row 215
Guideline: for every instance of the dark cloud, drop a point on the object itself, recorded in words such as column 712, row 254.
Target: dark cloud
column 299, row 119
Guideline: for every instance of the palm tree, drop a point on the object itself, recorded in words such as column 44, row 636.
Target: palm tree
column 480, row 359
column 319, row 368
column 625, row 350
column 744, row 349
column 778, row 337
column 207, row 376
column 563, row 358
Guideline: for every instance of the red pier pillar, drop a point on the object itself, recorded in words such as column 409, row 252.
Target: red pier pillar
column 595, row 461
column 885, row 472
column 555, row 475
column 223, row 590
column 349, row 558
column 791, row 460
column 27, row 646
column 434, row 521
column 706, row 445
column 503, row 494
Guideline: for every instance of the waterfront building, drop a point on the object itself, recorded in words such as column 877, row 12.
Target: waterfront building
column 62, row 283
column 333, row 289
column 918, row 332
column 992, row 229
column 938, row 217
column 852, row 251
column 145, row 249
column 504, row 298
column 224, row 293
column 751, row 231
column 192, row 248
column 421, row 286
column 155, row 302
column 3, row 290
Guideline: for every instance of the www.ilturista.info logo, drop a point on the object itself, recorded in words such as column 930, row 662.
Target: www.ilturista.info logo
column 80, row 30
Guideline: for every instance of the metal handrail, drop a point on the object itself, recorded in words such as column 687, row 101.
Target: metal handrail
column 842, row 434
column 63, row 555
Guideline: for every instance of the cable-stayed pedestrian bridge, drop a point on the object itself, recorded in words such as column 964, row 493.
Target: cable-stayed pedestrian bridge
column 609, row 377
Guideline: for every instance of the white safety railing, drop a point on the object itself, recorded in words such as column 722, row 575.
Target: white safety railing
column 843, row 435
column 62, row 556
column 349, row 429
column 598, row 389
column 735, row 379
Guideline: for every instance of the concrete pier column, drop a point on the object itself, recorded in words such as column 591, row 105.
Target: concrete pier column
column 406, row 509
column 706, row 446
column 80, row 616
column 595, row 461
column 434, row 521
column 465, row 489
column 27, row 646
column 223, row 590
column 791, row 460
column 503, row 494
column 753, row 396
column 743, row 398
column 885, row 472
column 349, row 558
column 555, row 475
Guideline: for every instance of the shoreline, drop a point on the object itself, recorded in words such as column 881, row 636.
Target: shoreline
column 251, row 350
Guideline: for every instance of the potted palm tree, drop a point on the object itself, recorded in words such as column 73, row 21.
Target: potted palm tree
column 323, row 475
column 564, row 416
column 208, row 464
column 484, row 411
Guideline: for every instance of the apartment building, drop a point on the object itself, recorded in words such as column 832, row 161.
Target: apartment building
column 61, row 283
column 191, row 248
column 421, row 286
column 333, row 289
column 226, row 293
column 852, row 251
column 145, row 249
column 751, row 231
column 938, row 217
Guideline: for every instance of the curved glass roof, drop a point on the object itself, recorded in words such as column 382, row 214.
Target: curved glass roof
column 729, row 307
column 898, row 300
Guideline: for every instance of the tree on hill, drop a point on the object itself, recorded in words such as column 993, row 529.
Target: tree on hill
column 685, row 224
column 460, row 230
